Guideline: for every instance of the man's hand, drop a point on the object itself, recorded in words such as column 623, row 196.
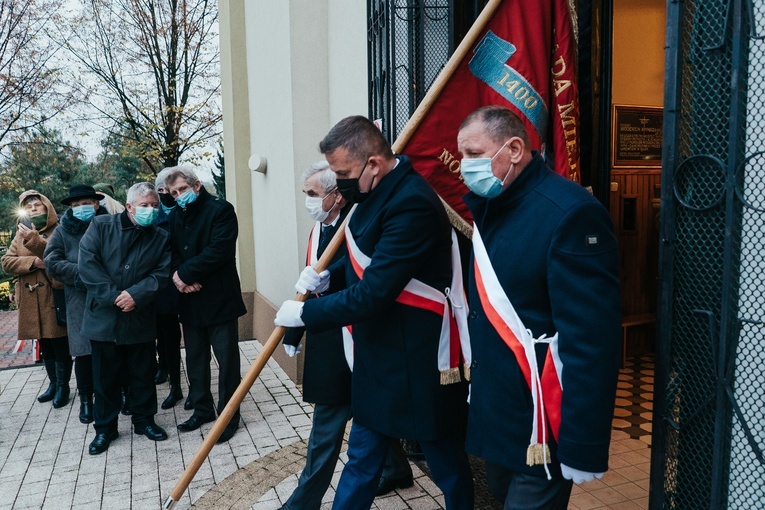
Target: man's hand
column 289, row 315
column 183, row 287
column 311, row 281
column 125, row 301
column 577, row 476
column 39, row 263
column 291, row 350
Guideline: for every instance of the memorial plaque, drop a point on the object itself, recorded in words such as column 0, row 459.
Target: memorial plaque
column 636, row 139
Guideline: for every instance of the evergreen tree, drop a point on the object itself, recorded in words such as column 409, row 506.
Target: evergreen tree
column 219, row 178
column 43, row 161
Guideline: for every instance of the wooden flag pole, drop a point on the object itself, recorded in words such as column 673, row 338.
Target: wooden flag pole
column 247, row 381
column 435, row 90
column 338, row 239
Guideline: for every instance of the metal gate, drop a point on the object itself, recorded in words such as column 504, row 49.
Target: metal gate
column 709, row 421
column 410, row 41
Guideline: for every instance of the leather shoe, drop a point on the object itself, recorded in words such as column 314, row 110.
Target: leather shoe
column 151, row 430
column 175, row 395
column 160, row 377
column 101, row 443
column 389, row 484
column 188, row 405
column 227, row 433
column 194, row 423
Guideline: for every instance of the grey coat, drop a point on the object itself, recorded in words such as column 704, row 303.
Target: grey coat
column 116, row 255
column 60, row 257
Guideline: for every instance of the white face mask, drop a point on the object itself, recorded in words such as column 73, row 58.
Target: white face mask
column 315, row 208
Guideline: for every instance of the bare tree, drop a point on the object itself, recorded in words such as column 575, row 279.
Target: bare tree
column 156, row 65
column 27, row 79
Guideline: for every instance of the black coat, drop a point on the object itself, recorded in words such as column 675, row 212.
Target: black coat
column 167, row 300
column 203, row 237
column 116, row 255
column 539, row 236
column 326, row 376
column 396, row 386
column 61, row 256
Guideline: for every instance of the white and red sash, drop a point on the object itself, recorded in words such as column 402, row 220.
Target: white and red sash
column 546, row 390
column 312, row 257
column 454, row 340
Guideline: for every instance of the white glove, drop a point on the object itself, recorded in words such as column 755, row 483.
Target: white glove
column 577, row 476
column 289, row 315
column 311, row 281
column 291, row 350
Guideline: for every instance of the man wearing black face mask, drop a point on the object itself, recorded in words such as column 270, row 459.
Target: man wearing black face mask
column 398, row 233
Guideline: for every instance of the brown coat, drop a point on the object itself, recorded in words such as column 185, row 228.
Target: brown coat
column 37, row 313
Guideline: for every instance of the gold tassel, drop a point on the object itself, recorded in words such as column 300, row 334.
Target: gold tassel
column 537, row 453
column 450, row 376
column 466, row 370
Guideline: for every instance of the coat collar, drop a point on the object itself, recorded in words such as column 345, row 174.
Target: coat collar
column 529, row 178
column 380, row 195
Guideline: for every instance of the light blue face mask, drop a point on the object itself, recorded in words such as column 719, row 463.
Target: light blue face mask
column 478, row 177
column 166, row 208
column 84, row 212
column 184, row 200
column 145, row 216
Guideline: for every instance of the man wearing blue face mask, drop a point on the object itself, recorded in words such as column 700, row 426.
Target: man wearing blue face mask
column 124, row 261
column 545, row 321
column 168, row 327
column 203, row 231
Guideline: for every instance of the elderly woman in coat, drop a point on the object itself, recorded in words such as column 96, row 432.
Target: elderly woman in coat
column 37, row 311
column 61, row 261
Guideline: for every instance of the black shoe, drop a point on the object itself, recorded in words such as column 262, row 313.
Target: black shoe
column 387, row 485
column 86, row 409
column 175, row 395
column 101, row 443
column 50, row 368
column 227, row 433
column 150, row 430
column 63, row 374
column 160, row 377
column 188, row 405
column 194, row 423
column 47, row 395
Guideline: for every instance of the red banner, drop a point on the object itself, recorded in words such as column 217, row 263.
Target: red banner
column 524, row 59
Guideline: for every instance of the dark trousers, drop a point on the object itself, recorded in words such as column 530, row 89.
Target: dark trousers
column 528, row 492
column 169, row 346
column 83, row 372
column 446, row 458
column 55, row 349
column 324, row 444
column 110, row 362
column 222, row 338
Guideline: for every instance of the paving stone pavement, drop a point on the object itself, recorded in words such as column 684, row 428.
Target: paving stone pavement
column 44, row 460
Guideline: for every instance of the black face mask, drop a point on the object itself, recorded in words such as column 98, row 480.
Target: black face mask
column 167, row 200
column 350, row 190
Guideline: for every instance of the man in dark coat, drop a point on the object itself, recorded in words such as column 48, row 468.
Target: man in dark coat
column 203, row 232
column 168, row 327
column 124, row 261
column 401, row 229
column 326, row 372
column 544, row 245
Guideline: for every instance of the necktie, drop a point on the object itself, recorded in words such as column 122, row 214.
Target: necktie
column 323, row 235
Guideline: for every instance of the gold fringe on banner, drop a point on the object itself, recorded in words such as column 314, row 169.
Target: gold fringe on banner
column 466, row 371
column 537, row 454
column 450, row 376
